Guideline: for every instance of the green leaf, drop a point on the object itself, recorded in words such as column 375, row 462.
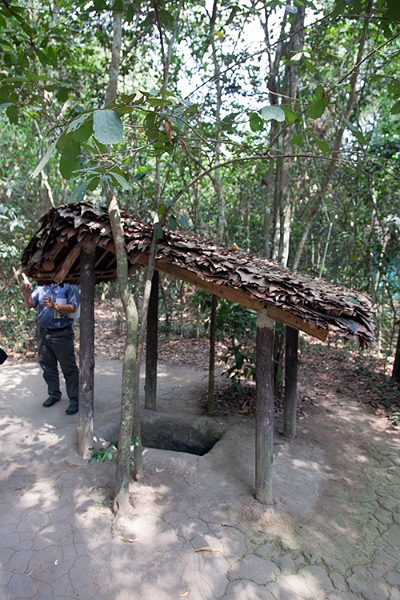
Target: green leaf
column 118, row 5
column 12, row 114
column 83, row 133
column 76, row 123
column 256, row 122
column 159, row 102
column 184, row 221
column 107, row 126
column 338, row 10
column 159, row 232
column 62, row 94
column 44, row 160
column 323, row 146
column 172, row 223
column 297, row 140
column 316, row 109
column 270, row 113
column 71, row 150
column 42, row 57
column 120, row 180
column 393, row 10
column 93, row 183
column 357, row 134
column 395, row 110
column 79, row 192
column 5, row 105
column 67, row 167
column 290, row 115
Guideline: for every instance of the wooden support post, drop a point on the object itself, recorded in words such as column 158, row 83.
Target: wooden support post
column 86, row 355
column 150, row 397
column 290, row 399
column 211, row 362
column 264, row 407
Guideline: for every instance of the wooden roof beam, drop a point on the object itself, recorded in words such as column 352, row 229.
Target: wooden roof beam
column 67, row 263
column 235, row 295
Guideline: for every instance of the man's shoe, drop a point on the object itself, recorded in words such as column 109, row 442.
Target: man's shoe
column 72, row 409
column 50, row 401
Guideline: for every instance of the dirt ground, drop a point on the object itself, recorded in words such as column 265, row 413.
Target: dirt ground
column 333, row 530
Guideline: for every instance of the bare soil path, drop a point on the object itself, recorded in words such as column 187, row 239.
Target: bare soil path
column 195, row 530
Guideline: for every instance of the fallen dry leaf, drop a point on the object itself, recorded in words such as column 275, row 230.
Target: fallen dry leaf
column 30, row 573
column 127, row 540
column 207, row 549
column 18, row 467
column 94, row 585
column 185, row 594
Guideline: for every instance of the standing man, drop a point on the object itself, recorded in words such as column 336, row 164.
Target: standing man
column 56, row 303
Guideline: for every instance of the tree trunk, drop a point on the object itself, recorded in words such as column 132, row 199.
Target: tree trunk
column 396, row 366
column 337, row 144
column 150, row 401
column 128, row 395
column 264, row 408
column 86, row 356
column 290, row 400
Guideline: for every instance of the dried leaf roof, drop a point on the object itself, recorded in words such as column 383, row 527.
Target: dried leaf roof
column 301, row 301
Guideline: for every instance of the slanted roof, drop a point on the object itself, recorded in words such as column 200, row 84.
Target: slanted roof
column 306, row 303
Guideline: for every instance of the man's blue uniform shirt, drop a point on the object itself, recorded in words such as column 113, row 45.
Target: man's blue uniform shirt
column 61, row 294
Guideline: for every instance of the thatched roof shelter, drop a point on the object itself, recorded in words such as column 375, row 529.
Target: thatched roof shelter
column 303, row 302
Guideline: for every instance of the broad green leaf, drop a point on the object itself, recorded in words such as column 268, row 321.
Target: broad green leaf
column 12, row 114
column 395, row 110
column 62, row 94
column 184, row 221
column 118, row 5
column 393, row 10
column 256, row 122
column 290, row 115
column 71, row 150
column 317, row 108
column 84, row 132
column 172, row 223
column 44, row 160
column 107, row 126
column 394, row 88
column 338, row 10
column 297, row 140
column 120, row 180
column 67, row 167
column 357, row 134
column 275, row 113
column 100, row 4
column 319, row 92
column 93, row 183
column 79, row 192
column 159, row 102
column 42, row 57
column 159, row 232
column 76, row 123
column 323, row 146
column 4, row 105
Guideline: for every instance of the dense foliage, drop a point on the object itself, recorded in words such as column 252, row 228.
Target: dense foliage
column 267, row 124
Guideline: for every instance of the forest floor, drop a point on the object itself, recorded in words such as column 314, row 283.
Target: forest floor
column 332, row 533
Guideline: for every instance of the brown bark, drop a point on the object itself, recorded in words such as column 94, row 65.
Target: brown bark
column 264, row 408
column 86, row 356
column 336, row 145
column 290, row 399
column 150, row 400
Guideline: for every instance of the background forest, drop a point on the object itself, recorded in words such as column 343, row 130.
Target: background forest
column 269, row 125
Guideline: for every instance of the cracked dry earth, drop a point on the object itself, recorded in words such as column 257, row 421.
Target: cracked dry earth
column 333, row 531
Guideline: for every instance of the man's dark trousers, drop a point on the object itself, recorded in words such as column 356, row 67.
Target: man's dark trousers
column 58, row 345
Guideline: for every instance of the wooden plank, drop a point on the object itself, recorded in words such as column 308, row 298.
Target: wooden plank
column 86, row 353
column 150, row 388
column 290, row 398
column 264, row 407
column 236, row 295
column 67, row 263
